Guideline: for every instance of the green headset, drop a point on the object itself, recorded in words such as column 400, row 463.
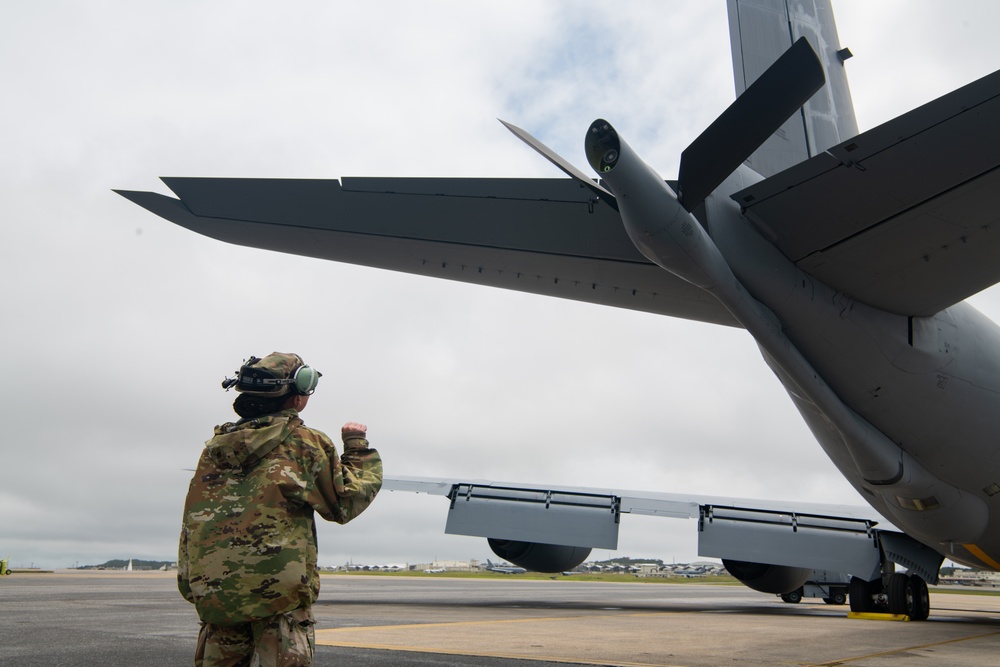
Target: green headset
column 257, row 380
column 305, row 379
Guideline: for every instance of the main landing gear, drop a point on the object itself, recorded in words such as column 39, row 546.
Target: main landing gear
column 893, row 593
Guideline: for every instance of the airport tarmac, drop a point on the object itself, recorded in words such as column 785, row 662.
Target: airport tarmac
column 120, row 618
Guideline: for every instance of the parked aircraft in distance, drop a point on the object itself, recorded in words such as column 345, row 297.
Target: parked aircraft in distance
column 847, row 257
column 503, row 569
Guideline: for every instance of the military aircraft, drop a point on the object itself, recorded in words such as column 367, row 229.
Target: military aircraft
column 846, row 256
column 503, row 569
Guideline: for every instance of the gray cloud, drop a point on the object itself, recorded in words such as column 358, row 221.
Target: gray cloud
column 120, row 326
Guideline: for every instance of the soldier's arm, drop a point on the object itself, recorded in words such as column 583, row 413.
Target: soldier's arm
column 346, row 484
column 183, row 582
column 360, row 475
column 361, row 465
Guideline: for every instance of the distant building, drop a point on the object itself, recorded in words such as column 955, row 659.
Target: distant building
column 967, row 577
column 448, row 566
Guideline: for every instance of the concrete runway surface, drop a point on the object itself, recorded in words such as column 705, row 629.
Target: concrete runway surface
column 120, row 618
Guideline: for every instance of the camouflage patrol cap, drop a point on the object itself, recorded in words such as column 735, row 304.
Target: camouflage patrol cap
column 274, row 375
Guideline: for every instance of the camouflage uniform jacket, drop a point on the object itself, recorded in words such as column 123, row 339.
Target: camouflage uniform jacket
column 248, row 541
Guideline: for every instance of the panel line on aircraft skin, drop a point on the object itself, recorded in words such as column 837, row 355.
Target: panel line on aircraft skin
column 801, row 114
column 425, row 261
column 917, row 205
column 444, row 265
column 448, row 195
column 459, row 244
column 906, row 649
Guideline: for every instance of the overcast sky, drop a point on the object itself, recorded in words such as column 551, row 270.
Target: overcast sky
column 119, row 326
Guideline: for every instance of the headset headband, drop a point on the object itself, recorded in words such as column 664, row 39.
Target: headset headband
column 255, row 379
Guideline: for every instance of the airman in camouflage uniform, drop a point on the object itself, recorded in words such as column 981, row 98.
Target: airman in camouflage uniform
column 247, row 556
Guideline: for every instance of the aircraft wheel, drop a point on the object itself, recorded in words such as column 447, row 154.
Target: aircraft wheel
column 794, row 597
column 900, row 594
column 861, row 593
column 921, row 599
column 837, row 596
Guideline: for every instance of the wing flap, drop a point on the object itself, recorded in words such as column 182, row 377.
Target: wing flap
column 552, row 216
column 543, row 236
column 830, row 537
column 900, row 217
column 673, row 505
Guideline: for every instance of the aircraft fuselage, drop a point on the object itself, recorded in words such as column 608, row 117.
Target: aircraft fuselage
column 928, row 386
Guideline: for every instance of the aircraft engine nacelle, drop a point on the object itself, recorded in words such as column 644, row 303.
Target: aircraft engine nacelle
column 776, row 579
column 539, row 557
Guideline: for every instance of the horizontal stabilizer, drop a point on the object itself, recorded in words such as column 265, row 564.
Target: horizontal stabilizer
column 542, row 236
column 901, row 217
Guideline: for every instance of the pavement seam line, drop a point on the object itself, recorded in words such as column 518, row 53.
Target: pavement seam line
column 499, row 620
column 506, row 656
column 846, row 661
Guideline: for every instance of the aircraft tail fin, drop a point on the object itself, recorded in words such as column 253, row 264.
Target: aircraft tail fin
column 760, row 31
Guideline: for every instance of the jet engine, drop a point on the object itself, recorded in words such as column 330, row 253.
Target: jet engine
column 776, row 579
column 539, row 557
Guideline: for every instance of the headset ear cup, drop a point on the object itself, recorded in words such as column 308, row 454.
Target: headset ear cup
column 306, row 378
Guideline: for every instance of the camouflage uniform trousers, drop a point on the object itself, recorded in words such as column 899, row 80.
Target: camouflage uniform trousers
column 285, row 640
